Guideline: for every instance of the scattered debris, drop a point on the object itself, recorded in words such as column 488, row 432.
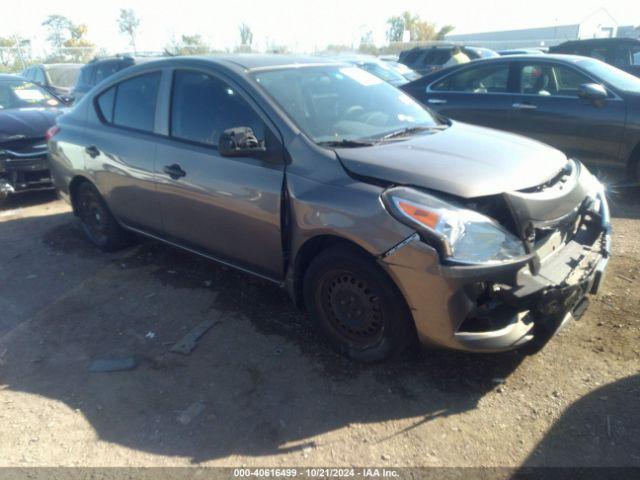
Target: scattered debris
column 498, row 380
column 113, row 364
column 150, row 295
column 31, row 276
column 187, row 343
column 171, row 272
column 624, row 277
column 192, row 411
column 384, row 456
column 150, row 334
column 208, row 283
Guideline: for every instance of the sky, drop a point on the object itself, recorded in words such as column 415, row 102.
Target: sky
column 301, row 25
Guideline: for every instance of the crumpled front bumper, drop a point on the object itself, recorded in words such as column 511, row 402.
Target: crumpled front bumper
column 28, row 171
column 501, row 307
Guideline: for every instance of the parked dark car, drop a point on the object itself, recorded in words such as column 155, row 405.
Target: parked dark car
column 520, row 51
column 103, row 67
column 388, row 223
column 623, row 53
column 58, row 78
column 582, row 106
column 377, row 67
column 425, row 60
column 27, row 111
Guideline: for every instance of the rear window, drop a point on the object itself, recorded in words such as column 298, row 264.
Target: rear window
column 131, row 103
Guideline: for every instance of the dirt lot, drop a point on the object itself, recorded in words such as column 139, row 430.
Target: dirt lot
column 261, row 390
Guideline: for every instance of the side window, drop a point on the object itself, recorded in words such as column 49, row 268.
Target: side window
column 599, row 53
column 106, row 69
column 487, row 79
column 105, row 104
column 202, row 107
column 131, row 103
column 27, row 74
column 38, row 76
column 551, row 80
column 569, row 80
column 85, row 75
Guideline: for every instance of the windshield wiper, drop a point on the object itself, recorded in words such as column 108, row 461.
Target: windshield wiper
column 409, row 130
column 345, row 143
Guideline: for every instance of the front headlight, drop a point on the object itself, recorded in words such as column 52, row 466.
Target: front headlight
column 463, row 236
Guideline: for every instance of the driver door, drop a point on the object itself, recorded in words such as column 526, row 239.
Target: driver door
column 549, row 109
column 224, row 207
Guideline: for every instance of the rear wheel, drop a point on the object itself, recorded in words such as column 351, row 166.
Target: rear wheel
column 357, row 306
column 98, row 223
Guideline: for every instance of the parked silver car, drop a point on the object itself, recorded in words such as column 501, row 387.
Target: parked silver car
column 387, row 222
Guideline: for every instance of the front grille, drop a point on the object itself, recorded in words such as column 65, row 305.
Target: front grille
column 23, row 147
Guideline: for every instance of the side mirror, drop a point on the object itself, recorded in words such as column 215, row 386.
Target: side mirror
column 593, row 91
column 240, row 142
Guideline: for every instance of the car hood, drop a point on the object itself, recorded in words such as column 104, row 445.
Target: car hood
column 23, row 123
column 463, row 160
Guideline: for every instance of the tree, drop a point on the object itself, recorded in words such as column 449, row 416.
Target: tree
column 78, row 48
column 57, row 29
column 128, row 23
column 396, row 29
column 444, row 31
column 188, row 45
column 419, row 30
column 246, row 35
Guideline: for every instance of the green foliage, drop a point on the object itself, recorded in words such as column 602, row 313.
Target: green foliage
column 58, row 27
column 419, row 30
column 128, row 23
column 188, row 45
column 246, row 35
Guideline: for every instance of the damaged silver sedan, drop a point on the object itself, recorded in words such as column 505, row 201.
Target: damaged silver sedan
column 386, row 222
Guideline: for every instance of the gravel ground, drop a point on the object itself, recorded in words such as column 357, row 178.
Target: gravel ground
column 261, row 390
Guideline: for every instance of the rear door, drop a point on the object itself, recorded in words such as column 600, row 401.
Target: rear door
column 548, row 109
column 120, row 149
column 477, row 93
column 228, row 208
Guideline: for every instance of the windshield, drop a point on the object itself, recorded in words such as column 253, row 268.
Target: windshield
column 615, row 77
column 64, row 77
column 16, row 93
column 384, row 72
column 334, row 103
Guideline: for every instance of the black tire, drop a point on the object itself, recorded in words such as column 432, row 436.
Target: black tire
column 99, row 225
column 356, row 306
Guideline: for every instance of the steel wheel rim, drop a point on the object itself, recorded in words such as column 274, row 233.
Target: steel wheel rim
column 352, row 308
column 93, row 217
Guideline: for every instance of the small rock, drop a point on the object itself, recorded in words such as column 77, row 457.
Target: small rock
column 192, row 411
column 208, row 283
column 113, row 364
column 385, row 457
column 150, row 335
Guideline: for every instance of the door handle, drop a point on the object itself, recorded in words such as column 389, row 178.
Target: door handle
column 92, row 151
column 174, row 171
column 524, row 106
column 436, row 101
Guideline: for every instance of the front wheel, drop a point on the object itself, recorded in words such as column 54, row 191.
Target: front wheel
column 98, row 223
column 356, row 306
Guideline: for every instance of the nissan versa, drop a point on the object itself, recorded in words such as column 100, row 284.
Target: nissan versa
column 387, row 222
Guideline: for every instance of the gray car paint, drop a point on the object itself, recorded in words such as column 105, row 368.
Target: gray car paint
column 276, row 212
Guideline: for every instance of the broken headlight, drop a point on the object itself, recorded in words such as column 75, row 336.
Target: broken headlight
column 461, row 235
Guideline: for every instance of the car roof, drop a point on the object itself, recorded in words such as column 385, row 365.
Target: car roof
column 250, row 61
column 534, row 56
column 602, row 40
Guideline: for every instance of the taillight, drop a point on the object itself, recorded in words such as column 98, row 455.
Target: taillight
column 51, row 132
